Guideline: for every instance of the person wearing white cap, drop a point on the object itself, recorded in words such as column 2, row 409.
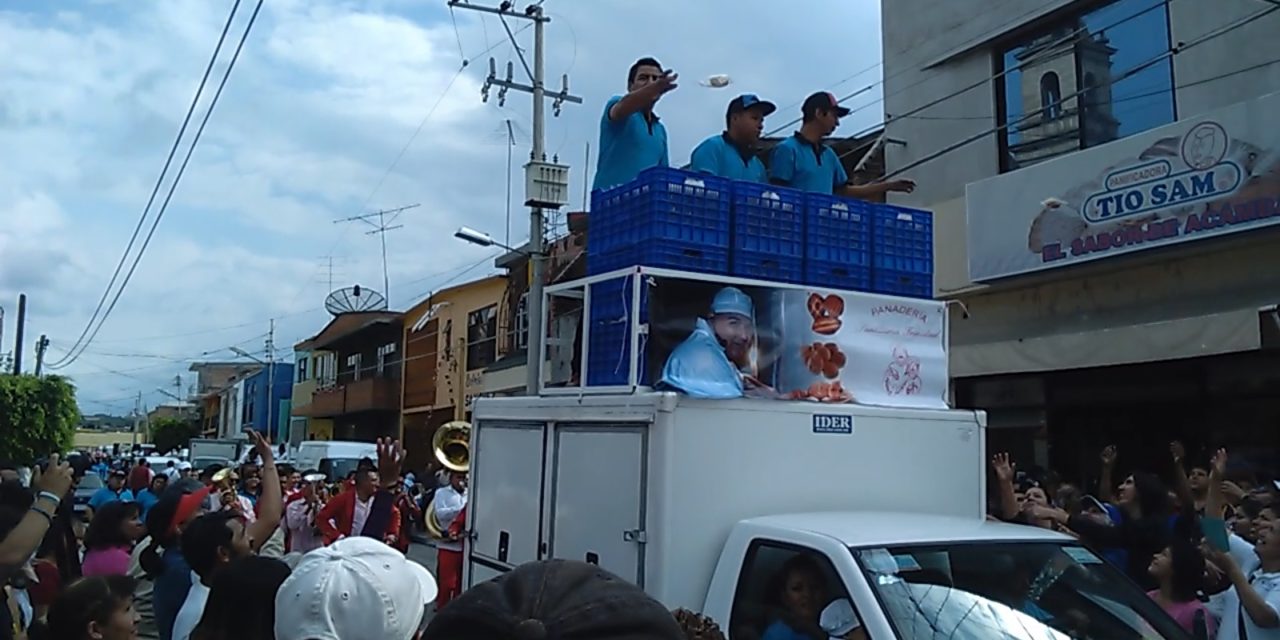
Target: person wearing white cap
column 840, row 622
column 710, row 362
column 356, row 588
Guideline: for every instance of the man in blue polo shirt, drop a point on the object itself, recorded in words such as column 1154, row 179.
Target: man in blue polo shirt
column 632, row 138
column 804, row 162
column 732, row 154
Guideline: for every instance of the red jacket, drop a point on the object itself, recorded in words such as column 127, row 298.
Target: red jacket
column 341, row 511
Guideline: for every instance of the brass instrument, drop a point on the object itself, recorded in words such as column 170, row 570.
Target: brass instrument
column 452, row 447
column 225, row 482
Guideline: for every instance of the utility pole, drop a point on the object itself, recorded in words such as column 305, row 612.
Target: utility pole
column 271, row 377
column 380, row 228
column 546, row 184
column 137, row 418
column 17, row 341
column 41, row 345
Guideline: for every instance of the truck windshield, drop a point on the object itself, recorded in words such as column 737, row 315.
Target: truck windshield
column 1017, row 591
column 336, row 469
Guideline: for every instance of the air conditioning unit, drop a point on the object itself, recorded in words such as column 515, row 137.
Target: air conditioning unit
column 546, row 184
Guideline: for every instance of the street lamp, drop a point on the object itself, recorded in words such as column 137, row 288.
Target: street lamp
column 534, row 362
column 271, row 385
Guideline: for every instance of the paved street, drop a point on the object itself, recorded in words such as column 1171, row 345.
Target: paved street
column 425, row 555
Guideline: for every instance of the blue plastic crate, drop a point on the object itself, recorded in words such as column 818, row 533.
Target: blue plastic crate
column 837, row 231
column 611, row 300
column 901, row 239
column 685, row 256
column 902, row 283
column 837, row 275
column 767, row 220
column 767, row 266
column 609, row 355
column 662, row 208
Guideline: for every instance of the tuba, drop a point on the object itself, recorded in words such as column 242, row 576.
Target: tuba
column 452, row 447
column 225, row 483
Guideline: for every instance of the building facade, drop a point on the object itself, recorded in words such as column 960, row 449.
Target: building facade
column 268, row 392
column 309, row 367
column 357, row 375
column 450, row 338
column 1096, row 198
column 213, row 379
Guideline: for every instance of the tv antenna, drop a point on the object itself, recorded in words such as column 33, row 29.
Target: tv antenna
column 385, row 217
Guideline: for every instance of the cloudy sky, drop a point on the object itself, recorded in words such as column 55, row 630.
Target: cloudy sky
column 310, row 129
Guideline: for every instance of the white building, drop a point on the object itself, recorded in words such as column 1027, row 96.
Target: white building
column 232, row 414
column 1093, row 310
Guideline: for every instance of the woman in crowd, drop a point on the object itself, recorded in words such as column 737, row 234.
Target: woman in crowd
column 1180, row 571
column 799, row 593
column 242, row 601
column 110, row 539
column 96, row 608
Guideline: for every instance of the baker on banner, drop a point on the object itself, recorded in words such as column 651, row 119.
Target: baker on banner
column 794, row 343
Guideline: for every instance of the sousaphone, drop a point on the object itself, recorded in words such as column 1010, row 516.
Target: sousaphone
column 452, row 447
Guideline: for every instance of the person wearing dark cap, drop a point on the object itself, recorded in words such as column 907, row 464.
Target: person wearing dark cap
column 632, row 138
column 732, row 154
column 803, row 162
column 554, row 599
column 115, row 491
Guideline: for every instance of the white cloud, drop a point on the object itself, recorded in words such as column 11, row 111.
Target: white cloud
column 324, row 97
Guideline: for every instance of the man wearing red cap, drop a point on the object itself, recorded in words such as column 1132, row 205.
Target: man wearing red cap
column 803, row 162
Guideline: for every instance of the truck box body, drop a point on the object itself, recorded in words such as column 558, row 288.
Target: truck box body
column 649, row 486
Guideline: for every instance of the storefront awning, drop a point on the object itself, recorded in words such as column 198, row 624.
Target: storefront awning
column 1234, row 331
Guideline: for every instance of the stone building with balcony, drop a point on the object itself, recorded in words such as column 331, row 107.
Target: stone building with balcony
column 357, row 371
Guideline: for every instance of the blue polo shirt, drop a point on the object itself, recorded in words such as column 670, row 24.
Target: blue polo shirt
column 800, row 164
column 628, row 146
column 106, row 495
column 719, row 156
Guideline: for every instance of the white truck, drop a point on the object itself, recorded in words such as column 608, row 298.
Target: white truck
column 760, row 513
column 209, row 451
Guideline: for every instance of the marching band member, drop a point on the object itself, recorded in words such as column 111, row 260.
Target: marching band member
column 300, row 515
column 450, row 502
column 347, row 513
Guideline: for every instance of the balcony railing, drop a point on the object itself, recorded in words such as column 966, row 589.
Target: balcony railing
column 370, row 394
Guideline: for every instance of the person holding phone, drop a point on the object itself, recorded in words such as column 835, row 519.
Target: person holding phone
column 632, row 137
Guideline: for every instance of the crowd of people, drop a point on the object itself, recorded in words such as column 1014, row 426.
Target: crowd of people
column 1205, row 546
column 258, row 553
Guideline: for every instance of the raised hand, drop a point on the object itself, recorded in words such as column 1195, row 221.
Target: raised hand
column 1218, row 465
column 1177, row 451
column 390, row 459
column 1003, row 468
column 56, row 479
column 1109, row 456
column 262, row 446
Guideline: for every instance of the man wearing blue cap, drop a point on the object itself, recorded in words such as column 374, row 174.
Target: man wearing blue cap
column 632, row 138
column 732, row 154
column 804, row 162
column 710, row 362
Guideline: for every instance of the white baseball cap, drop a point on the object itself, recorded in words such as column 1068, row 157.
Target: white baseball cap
column 352, row 589
column 837, row 620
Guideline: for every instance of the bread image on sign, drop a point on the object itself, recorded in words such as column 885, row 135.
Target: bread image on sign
column 1172, row 179
column 826, row 359
column 826, row 312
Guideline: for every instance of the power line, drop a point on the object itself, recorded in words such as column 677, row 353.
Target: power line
column 164, row 207
column 173, row 150
column 1126, row 74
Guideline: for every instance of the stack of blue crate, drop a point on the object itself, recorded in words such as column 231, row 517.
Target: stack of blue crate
column 768, row 233
column 609, row 339
column 665, row 218
column 837, row 243
column 902, row 251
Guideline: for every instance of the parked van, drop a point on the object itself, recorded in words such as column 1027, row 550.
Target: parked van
column 334, row 458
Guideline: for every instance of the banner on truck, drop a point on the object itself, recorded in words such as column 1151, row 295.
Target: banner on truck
column 787, row 342
column 1201, row 177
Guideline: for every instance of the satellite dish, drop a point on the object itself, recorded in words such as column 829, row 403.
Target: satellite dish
column 353, row 300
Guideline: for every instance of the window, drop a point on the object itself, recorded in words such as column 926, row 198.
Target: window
column 353, row 363
column 1058, row 93
column 384, row 351
column 301, row 366
column 482, row 337
column 324, row 370
column 770, row 570
column 1051, row 96
column 520, row 327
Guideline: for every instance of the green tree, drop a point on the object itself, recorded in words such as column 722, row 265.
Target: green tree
column 172, row 433
column 38, row 416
